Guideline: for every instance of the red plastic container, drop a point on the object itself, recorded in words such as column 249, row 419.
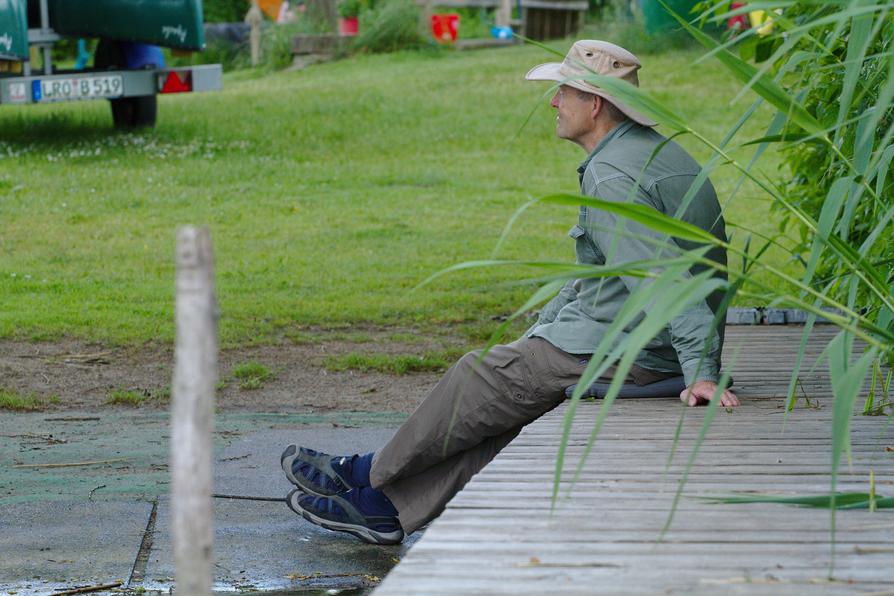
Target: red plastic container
column 445, row 27
column 349, row 26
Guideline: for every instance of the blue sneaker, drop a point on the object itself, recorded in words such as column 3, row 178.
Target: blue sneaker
column 314, row 472
column 342, row 513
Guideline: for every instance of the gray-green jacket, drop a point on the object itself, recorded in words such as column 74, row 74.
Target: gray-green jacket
column 575, row 320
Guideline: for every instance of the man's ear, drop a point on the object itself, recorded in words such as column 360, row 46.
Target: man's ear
column 597, row 107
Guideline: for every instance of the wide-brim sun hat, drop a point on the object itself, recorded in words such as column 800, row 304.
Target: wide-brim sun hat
column 592, row 56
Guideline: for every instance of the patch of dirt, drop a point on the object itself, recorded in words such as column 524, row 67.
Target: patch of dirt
column 82, row 375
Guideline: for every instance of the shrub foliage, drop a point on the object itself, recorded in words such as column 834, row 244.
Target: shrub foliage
column 849, row 177
column 390, row 26
column 224, row 11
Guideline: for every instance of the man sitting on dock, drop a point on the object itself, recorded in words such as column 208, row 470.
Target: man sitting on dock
column 477, row 408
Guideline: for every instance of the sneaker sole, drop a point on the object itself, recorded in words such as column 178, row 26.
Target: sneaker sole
column 362, row 532
column 285, row 460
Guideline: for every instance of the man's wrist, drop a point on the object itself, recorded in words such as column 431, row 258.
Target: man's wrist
column 700, row 370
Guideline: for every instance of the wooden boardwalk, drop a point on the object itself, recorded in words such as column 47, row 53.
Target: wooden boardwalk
column 498, row 536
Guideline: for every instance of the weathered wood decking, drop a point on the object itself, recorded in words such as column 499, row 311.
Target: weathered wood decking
column 497, row 535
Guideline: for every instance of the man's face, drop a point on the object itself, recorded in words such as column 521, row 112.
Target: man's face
column 574, row 114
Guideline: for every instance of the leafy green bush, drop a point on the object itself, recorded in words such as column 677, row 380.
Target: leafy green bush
column 390, row 26
column 474, row 23
column 615, row 22
column 353, row 8
column 848, row 177
column 276, row 44
column 230, row 56
column 631, row 34
column 225, row 11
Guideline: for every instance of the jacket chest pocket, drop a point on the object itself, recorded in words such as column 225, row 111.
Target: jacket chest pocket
column 585, row 250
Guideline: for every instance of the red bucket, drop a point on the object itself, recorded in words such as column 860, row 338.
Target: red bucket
column 445, row 26
column 349, row 26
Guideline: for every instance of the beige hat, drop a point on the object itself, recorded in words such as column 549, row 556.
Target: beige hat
column 591, row 56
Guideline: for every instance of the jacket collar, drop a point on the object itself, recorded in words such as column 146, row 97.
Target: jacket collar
column 617, row 131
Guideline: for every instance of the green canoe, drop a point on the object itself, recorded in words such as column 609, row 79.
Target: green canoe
column 13, row 30
column 168, row 23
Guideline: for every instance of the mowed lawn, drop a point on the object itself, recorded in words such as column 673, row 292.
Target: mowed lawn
column 330, row 194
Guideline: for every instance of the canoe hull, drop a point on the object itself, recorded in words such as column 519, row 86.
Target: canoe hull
column 13, row 29
column 167, row 23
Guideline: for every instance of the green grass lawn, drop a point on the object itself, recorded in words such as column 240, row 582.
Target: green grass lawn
column 330, row 194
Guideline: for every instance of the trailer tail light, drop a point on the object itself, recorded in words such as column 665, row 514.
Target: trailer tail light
column 176, row 82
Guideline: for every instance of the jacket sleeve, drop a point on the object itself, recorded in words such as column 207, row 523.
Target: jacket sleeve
column 551, row 309
column 691, row 330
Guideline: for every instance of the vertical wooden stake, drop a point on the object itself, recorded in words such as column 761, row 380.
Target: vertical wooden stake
column 504, row 13
column 192, row 411
column 425, row 19
column 255, row 18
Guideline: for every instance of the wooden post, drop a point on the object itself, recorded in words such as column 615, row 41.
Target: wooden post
column 504, row 13
column 425, row 19
column 255, row 18
column 192, row 411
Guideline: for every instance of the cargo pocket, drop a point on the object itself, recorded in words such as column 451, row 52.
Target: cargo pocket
column 514, row 373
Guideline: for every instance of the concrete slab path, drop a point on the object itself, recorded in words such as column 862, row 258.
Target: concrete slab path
column 105, row 522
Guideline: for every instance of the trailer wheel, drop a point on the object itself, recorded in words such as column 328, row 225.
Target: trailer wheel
column 134, row 112
column 127, row 112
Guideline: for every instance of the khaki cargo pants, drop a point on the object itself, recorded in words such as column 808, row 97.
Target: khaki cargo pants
column 472, row 413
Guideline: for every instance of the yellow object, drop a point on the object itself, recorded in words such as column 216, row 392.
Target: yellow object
column 761, row 21
column 13, row 66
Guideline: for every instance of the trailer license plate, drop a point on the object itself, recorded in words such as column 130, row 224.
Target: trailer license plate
column 62, row 89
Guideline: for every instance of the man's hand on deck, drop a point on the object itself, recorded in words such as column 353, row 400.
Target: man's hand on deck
column 701, row 392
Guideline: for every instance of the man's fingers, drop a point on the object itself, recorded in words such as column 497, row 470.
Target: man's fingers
column 729, row 399
column 733, row 399
column 696, row 397
column 691, row 398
